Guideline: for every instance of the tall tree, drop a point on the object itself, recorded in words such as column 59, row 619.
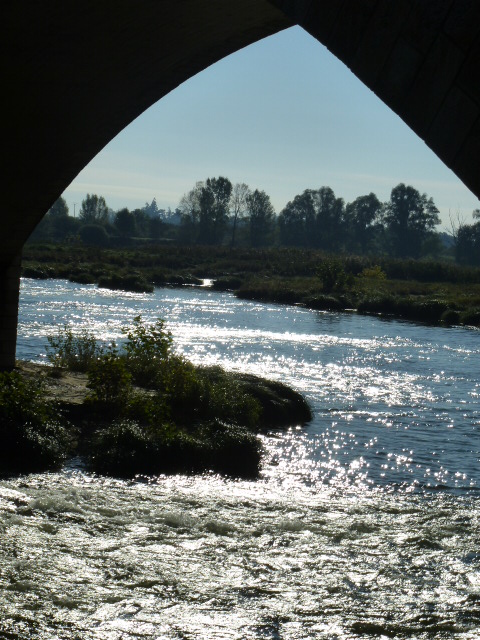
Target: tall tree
column 467, row 244
column 125, row 223
column 262, row 218
column 141, row 222
column 313, row 219
column 329, row 219
column 94, row 210
column 151, row 209
column 466, row 238
column 238, row 205
column 189, row 208
column 361, row 218
column 214, row 203
column 59, row 209
column 295, row 219
column 409, row 217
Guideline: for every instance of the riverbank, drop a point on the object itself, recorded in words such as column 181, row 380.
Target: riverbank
column 420, row 291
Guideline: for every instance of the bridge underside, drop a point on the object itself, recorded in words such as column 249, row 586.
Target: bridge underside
column 75, row 74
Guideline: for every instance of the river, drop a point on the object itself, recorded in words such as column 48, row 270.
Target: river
column 364, row 523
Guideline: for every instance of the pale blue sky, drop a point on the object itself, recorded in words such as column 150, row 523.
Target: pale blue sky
column 282, row 115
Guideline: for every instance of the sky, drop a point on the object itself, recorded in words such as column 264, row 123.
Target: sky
column 282, row 115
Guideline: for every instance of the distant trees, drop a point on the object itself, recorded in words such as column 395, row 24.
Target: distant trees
column 262, row 218
column 94, row 210
column 296, row 220
column 362, row 219
column 409, row 217
column 238, row 205
column 124, row 222
column 313, row 219
column 214, row 200
column 216, row 212
column 58, row 224
column 329, row 220
column 402, row 226
column 466, row 239
column 59, row 209
column 205, row 211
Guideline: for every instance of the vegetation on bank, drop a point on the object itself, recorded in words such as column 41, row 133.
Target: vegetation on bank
column 147, row 410
column 418, row 290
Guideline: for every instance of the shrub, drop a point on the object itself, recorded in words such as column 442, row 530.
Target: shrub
column 377, row 304
column 126, row 447
column 226, row 399
column 123, row 448
column 82, row 277
column 332, row 274
column 471, row 317
column 130, row 282
column 324, row 303
column 183, row 388
column 227, row 283
column 375, row 273
column 76, row 352
column 230, row 449
column 110, row 383
column 146, row 348
column 450, row 316
column 32, row 437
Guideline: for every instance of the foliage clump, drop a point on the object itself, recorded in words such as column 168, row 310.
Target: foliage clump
column 32, row 436
column 73, row 351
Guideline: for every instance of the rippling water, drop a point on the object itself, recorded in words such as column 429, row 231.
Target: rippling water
column 365, row 523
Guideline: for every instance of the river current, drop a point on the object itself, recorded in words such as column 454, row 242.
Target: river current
column 364, row 523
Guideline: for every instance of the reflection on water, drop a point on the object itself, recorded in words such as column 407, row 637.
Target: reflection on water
column 364, row 524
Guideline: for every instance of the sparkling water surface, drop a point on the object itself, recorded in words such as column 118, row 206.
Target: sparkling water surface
column 364, row 523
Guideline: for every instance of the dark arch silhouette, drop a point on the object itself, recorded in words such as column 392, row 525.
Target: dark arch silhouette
column 75, row 74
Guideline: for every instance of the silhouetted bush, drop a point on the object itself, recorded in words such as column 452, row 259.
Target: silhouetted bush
column 227, row 283
column 129, row 282
column 450, row 317
column 471, row 317
column 32, row 437
column 127, row 448
column 324, row 303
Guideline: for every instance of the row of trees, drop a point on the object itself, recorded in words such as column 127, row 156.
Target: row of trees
column 218, row 212
column 96, row 222
column 316, row 218
column 215, row 208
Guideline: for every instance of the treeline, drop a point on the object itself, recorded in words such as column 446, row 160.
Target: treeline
column 98, row 225
column 216, row 212
column 317, row 219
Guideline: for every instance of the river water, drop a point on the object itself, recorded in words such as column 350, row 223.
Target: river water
column 364, row 523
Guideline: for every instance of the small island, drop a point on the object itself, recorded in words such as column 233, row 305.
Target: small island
column 138, row 409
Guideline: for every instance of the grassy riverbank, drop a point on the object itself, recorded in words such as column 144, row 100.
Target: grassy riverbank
column 139, row 409
column 425, row 291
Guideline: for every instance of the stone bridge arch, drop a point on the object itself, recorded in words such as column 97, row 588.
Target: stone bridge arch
column 75, row 74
